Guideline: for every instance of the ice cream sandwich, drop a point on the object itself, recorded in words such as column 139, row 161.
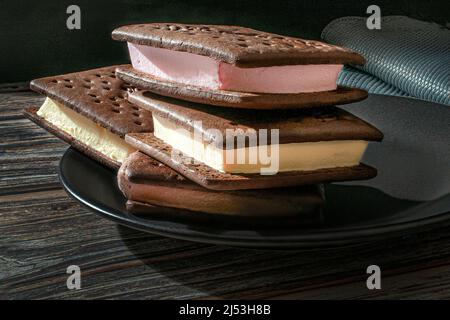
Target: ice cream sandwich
column 234, row 66
column 203, row 143
column 153, row 188
column 89, row 110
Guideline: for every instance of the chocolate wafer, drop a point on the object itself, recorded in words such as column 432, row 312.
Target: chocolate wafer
column 311, row 215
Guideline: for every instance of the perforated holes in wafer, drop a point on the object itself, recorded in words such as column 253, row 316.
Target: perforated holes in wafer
column 255, row 40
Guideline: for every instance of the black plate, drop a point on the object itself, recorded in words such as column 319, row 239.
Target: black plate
column 412, row 189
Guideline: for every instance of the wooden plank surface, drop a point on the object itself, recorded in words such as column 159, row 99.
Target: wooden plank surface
column 43, row 231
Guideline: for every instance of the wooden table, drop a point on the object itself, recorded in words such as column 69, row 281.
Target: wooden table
column 43, row 231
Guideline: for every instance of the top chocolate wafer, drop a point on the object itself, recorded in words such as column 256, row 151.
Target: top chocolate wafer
column 239, row 46
column 90, row 111
column 98, row 95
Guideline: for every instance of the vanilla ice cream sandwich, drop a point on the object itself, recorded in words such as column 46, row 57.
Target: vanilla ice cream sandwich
column 153, row 188
column 227, row 149
column 89, row 110
column 234, row 66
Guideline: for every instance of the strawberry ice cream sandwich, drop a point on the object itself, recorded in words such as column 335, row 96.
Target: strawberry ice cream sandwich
column 234, row 66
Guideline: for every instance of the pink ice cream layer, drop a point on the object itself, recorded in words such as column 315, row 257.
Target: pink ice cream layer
column 192, row 69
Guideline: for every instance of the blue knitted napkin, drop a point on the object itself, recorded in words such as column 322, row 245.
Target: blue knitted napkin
column 405, row 57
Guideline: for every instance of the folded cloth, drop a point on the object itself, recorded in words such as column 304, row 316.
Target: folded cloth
column 351, row 77
column 411, row 55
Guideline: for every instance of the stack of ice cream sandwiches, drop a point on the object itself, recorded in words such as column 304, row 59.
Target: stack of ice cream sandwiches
column 215, row 121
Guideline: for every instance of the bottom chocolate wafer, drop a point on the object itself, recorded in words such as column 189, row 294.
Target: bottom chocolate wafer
column 309, row 218
column 240, row 100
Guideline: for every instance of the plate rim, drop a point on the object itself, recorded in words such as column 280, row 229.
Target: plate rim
column 327, row 237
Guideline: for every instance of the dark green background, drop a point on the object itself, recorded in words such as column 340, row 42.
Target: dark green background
column 35, row 41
